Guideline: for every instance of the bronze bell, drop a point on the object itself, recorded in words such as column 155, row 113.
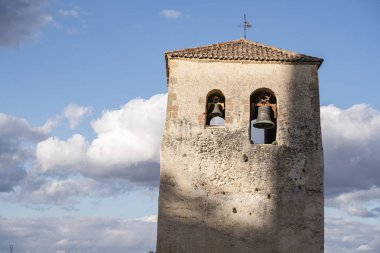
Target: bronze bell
column 216, row 111
column 263, row 120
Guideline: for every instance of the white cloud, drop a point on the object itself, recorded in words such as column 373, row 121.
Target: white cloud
column 172, row 14
column 150, row 218
column 123, row 155
column 129, row 135
column 78, row 234
column 49, row 125
column 72, row 13
column 360, row 124
column 46, row 19
column 364, row 247
column 53, row 153
column 363, row 203
column 74, row 114
column 127, row 144
column 39, row 190
column 351, row 236
column 58, row 188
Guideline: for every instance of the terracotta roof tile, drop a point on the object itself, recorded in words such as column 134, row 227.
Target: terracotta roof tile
column 243, row 49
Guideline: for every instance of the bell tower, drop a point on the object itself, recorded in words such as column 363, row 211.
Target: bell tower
column 241, row 155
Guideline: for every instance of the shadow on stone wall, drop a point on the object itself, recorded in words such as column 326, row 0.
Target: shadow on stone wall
column 220, row 193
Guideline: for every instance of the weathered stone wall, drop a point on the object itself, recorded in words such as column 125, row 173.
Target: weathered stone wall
column 219, row 193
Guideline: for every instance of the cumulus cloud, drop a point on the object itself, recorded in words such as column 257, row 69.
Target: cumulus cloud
column 351, row 236
column 171, row 14
column 127, row 144
column 74, row 114
column 53, row 153
column 20, row 20
column 351, row 140
column 129, row 135
column 79, row 234
column 47, row 170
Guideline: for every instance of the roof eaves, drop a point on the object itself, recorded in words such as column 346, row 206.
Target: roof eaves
column 275, row 54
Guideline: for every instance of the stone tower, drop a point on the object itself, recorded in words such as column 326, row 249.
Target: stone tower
column 225, row 187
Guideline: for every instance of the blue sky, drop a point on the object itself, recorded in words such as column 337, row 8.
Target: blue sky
column 83, row 82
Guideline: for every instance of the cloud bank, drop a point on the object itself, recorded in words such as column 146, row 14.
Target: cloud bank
column 351, row 140
column 97, row 234
column 126, row 149
column 351, row 236
column 40, row 169
column 78, row 234
column 362, row 203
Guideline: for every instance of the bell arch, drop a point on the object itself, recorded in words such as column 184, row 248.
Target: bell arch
column 263, row 116
column 215, row 108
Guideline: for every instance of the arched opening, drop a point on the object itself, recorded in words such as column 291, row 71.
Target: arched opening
column 215, row 108
column 263, row 117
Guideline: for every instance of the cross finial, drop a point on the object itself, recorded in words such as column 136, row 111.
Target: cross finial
column 245, row 26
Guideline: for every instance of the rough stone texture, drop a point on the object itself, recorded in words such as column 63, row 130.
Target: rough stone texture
column 218, row 192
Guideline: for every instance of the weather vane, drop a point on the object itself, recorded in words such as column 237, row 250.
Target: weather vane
column 245, row 26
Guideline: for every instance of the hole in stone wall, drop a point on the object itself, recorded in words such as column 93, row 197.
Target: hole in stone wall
column 215, row 108
column 265, row 130
column 257, row 135
column 234, row 210
column 245, row 158
column 217, row 121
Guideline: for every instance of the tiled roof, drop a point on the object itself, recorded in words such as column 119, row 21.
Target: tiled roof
column 243, row 49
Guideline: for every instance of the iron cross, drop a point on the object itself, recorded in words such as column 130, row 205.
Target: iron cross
column 245, row 26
